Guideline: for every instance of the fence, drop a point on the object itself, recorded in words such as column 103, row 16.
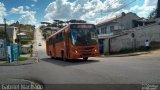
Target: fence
column 2, row 51
column 12, row 51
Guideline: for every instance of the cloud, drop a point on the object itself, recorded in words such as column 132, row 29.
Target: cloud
column 27, row 17
column 18, row 10
column 32, row 5
column 150, row 2
column 10, row 21
column 35, row 0
column 27, row 7
column 82, row 9
column 2, row 12
column 145, row 9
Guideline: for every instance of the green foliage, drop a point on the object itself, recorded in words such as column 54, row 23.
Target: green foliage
column 22, row 59
column 152, row 14
column 23, row 42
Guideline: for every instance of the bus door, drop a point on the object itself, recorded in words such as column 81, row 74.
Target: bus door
column 54, row 49
column 67, row 44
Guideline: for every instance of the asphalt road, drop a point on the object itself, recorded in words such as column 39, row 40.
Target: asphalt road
column 143, row 69
column 110, row 70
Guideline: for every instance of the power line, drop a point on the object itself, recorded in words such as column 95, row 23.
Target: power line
column 119, row 8
column 110, row 5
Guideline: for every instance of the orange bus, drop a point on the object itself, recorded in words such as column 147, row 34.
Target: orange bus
column 76, row 40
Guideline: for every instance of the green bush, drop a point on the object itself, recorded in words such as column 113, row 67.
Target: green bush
column 22, row 59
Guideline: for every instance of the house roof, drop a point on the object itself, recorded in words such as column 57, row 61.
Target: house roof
column 145, row 20
column 111, row 20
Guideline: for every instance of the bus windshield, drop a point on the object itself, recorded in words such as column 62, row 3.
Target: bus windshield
column 84, row 36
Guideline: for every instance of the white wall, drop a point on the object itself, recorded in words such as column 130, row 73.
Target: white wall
column 150, row 32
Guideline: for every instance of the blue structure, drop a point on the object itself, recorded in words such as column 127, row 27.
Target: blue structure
column 13, row 52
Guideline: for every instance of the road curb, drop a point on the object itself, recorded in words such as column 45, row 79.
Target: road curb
column 126, row 55
column 30, row 61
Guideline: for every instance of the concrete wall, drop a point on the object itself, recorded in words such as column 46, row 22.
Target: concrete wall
column 106, row 45
column 150, row 32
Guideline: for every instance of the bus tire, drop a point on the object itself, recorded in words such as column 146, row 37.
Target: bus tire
column 51, row 55
column 85, row 58
column 62, row 56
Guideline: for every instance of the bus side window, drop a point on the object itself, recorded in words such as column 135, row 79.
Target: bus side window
column 59, row 37
column 49, row 42
column 62, row 36
column 56, row 40
column 53, row 41
column 68, row 34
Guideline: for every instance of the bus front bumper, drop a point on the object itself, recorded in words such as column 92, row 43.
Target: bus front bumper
column 78, row 55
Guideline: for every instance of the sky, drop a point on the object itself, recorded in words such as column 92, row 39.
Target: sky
column 93, row 11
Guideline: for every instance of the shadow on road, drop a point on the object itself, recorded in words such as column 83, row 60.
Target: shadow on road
column 68, row 62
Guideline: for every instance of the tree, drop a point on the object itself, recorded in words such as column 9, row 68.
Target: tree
column 152, row 14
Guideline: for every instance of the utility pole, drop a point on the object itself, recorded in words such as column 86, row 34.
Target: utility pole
column 5, row 39
column 18, row 40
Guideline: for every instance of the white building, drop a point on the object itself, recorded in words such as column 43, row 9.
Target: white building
column 12, row 33
column 117, row 24
column 113, row 27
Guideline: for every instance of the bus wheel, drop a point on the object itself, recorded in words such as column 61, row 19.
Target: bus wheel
column 85, row 58
column 62, row 56
column 51, row 56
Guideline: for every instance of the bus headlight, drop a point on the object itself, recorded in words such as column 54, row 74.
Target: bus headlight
column 76, row 51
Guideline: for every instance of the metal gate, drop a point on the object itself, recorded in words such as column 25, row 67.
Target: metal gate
column 15, row 53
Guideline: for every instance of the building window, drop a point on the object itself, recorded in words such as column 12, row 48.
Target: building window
column 111, row 28
column 108, row 31
column 103, row 30
column 98, row 31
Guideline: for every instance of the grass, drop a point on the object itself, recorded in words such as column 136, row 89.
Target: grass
column 3, row 62
column 22, row 59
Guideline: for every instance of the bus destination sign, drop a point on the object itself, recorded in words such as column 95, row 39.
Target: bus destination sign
column 82, row 26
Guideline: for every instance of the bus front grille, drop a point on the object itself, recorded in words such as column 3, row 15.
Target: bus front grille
column 86, row 54
column 86, row 48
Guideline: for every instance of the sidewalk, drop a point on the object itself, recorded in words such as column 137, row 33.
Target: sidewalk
column 31, row 60
column 129, row 54
column 148, row 53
